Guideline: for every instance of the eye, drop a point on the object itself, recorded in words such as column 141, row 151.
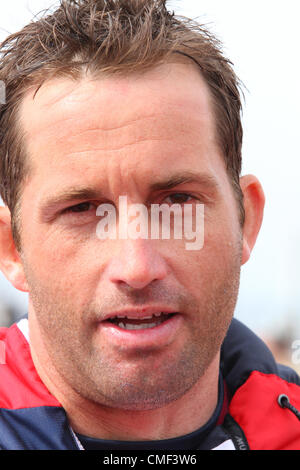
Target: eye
column 79, row 208
column 179, row 198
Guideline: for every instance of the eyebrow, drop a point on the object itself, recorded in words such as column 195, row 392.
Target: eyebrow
column 73, row 194
column 205, row 180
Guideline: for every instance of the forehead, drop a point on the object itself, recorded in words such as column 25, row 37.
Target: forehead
column 68, row 122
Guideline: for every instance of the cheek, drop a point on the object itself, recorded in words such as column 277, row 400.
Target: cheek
column 218, row 259
column 61, row 263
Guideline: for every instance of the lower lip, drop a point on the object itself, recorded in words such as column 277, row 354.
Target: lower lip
column 158, row 336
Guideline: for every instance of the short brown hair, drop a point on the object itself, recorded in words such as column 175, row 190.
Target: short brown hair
column 109, row 36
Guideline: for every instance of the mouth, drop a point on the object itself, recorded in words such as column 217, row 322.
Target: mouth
column 127, row 322
column 141, row 327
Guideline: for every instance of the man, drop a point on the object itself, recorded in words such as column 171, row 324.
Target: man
column 129, row 342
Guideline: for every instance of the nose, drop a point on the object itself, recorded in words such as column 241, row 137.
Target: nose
column 137, row 265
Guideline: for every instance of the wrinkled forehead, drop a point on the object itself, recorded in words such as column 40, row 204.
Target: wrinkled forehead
column 112, row 100
column 118, row 124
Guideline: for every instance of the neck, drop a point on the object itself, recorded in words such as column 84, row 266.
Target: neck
column 178, row 418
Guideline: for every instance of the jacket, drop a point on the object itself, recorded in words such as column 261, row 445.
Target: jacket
column 263, row 399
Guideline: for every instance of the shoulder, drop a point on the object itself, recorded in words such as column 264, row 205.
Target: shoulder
column 243, row 352
column 255, row 382
column 20, row 385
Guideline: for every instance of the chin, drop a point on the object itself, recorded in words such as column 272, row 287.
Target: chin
column 145, row 403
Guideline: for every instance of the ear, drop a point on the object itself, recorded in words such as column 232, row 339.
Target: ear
column 10, row 261
column 254, row 202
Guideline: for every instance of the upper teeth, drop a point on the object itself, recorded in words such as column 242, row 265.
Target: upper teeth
column 157, row 314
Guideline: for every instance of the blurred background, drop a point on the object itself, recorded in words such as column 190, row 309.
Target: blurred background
column 262, row 39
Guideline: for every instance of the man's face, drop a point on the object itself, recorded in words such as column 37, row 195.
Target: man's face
column 104, row 139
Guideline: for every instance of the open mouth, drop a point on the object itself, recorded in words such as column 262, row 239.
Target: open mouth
column 140, row 328
column 150, row 321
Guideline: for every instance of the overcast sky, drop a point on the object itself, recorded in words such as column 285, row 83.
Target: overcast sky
column 262, row 39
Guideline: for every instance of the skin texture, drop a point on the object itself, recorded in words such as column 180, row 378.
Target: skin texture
column 118, row 136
